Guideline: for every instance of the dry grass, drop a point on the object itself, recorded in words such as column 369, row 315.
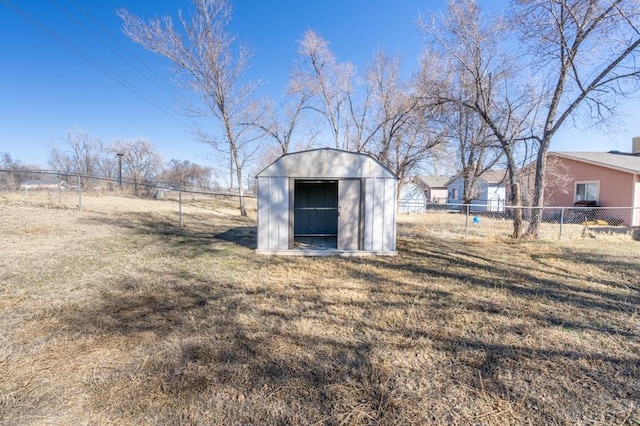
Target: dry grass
column 115, row 315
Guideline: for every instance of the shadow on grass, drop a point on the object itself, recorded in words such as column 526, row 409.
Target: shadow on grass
column 197, row 236
column 216, row 345
column 210, row 349
column 564, row 375
column 244, row 236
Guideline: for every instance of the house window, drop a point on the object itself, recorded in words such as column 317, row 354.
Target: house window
column 587, row 191
column 454, row 194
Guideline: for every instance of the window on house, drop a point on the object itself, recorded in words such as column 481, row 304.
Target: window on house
column 454, row 194
column 587, row 191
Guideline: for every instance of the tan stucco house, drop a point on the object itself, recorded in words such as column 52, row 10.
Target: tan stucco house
column 611, row 179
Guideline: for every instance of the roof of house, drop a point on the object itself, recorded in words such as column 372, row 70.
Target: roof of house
column 494, row 176
column 490, row 176
column 433, row 181
column 625, row 162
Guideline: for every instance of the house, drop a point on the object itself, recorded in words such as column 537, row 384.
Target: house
column 326, row 201
column 489, row 194
column 433, row 186
column 609, row 179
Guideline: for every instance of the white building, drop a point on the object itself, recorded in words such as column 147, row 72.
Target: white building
column 412, row 199
column 489, row 193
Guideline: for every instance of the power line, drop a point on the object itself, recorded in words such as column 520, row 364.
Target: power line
column 167, row 88
column 105, row 70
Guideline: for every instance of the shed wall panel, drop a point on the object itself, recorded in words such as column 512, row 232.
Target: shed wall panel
column 378, row 214
column 273, row 213
column 368, row 214
column 263, row 214
column 389, row 208
column 349, row 214
column 281, row 212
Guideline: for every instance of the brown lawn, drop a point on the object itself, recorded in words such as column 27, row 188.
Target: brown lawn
column 116, row 315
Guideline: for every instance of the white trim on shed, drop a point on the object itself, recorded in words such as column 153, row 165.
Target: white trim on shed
column 353, row 212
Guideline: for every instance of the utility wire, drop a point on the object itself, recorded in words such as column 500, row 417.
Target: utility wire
column 165, row 88
column 124, row 83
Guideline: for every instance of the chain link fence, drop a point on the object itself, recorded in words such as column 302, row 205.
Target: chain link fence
column 25, row 181
column 66, row 190
column 489, row 221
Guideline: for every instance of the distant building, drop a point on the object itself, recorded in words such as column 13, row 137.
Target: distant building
column 433, row 186
column 489, row 195
column 607, row 179
column 41, row 184
column 412, row 199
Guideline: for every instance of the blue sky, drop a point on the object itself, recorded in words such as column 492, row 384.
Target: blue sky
column 66, row 63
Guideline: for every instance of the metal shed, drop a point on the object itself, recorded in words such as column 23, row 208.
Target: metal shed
column 412, row 199
column 326, row 201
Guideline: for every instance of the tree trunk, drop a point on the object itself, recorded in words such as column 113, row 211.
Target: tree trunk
column 516, row 204
column 243, row 209
column 538, row 195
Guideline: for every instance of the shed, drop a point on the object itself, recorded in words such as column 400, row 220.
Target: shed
column 327, row 201
column 412, row 199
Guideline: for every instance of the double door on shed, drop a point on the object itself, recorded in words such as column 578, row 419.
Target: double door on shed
column 326, row 214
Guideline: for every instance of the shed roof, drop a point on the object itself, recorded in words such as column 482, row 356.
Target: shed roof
column 327, row 163
column 625, row 162
column 433, row 181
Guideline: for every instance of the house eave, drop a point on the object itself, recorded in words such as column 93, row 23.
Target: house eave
column 595, row 163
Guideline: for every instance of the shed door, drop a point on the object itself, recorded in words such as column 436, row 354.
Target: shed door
column 315, row 209
column 349, row 214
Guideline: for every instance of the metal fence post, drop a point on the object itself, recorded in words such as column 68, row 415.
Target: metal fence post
column 466, row 222
column 180, row 207
column 561, row 223
column 79, row 193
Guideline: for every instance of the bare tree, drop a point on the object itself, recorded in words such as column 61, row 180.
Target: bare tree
column 389, row 121
column 82, row 156
column 377, row 113
column 85, row 152
column 476, row 147
column 326, row 81
column 559, row 179
column 393, row 108
column 61, row 162
column 588, row 53
column 204, row 54
column 108, row 166
column 481, row 77
column 185, row 174
column 141, row 162
column 284, row 123
column 8, row 179
column 584, row 57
